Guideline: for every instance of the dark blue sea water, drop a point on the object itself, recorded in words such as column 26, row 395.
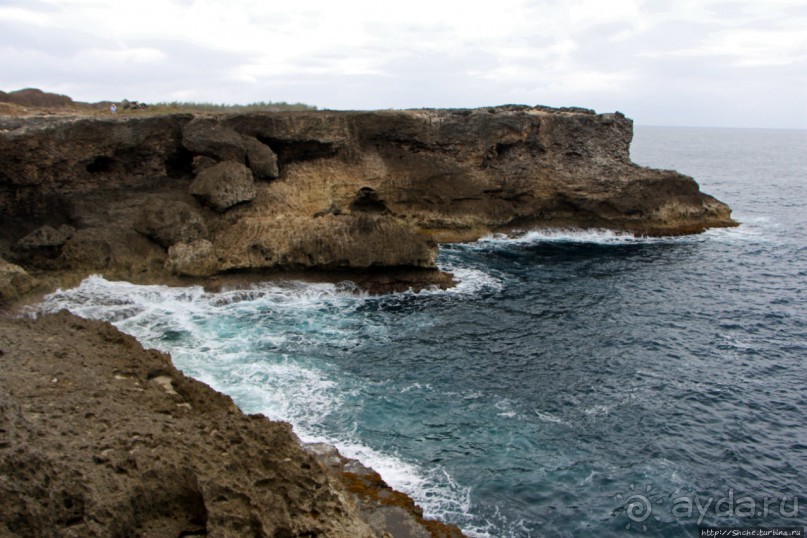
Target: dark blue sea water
column 575, row 383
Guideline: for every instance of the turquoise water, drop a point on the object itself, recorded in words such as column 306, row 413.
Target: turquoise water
column 574, row 384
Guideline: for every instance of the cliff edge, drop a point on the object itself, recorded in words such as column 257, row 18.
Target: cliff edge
column 150, row 196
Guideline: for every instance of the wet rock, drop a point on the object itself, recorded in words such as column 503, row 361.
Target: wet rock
column 224, row 185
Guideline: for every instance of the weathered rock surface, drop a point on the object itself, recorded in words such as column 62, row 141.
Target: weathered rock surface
column 260, row 158
column 422, row 175
column 14, row 282
column 206, row 136
column 99, row 437
column 223, row 185
column 168, row 222
column 195, row 258
column 46, row 237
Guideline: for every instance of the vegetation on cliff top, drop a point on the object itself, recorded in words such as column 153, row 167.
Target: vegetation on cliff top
column 260, row 106
column 32, row 100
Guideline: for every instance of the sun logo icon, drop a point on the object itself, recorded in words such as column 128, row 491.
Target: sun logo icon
column 638, row 507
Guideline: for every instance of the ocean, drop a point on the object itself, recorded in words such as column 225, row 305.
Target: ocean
column 575, row 383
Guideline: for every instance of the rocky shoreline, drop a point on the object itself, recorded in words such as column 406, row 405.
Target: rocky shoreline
column 100, row 437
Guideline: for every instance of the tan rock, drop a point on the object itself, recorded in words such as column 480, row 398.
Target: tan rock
column 329, row 242
column 224, row 185
column 14, row 281
column 197, row 258
column 168, row 222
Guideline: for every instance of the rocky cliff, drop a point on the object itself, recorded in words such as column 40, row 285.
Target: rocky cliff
column 197, row 195
column 101, row 438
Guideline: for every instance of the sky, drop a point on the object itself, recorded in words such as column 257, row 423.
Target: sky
column 661, row 62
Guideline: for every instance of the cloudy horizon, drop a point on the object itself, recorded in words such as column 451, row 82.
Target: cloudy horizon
column 687, row 62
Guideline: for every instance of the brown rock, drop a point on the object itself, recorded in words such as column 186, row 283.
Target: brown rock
column 110, row 249
column 14, row 281
column 330, row 242
column 224, row 185
column 197, row 258
column 168, row 222
column 260, row 158
column 101, row 438
column 206, row 136
column 46, row 237
column 448, row 174
column 202, row 162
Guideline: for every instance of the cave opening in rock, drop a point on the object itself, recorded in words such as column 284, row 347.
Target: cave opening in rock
column 289, row 151
column 101, row 164
column 179, row 164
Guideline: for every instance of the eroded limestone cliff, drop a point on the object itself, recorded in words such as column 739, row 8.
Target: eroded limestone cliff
column 200, row 195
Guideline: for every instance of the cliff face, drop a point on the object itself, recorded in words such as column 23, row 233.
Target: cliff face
column 199, row 195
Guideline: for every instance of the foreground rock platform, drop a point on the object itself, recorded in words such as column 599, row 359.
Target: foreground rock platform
column 101, row 438
column 148, row 196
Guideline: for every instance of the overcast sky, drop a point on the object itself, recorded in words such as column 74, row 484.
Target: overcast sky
column 661, row 62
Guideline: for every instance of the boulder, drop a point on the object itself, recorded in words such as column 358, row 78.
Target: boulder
column 224, row 185
column 260, row 158
column 196, row 258
column 167, row 222
column 205, row 136
column 14, row 281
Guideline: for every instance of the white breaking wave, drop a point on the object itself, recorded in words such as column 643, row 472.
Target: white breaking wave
column 751, row 229
column 595, row 236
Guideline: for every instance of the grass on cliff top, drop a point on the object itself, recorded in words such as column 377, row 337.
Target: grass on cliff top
column 261, row 106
